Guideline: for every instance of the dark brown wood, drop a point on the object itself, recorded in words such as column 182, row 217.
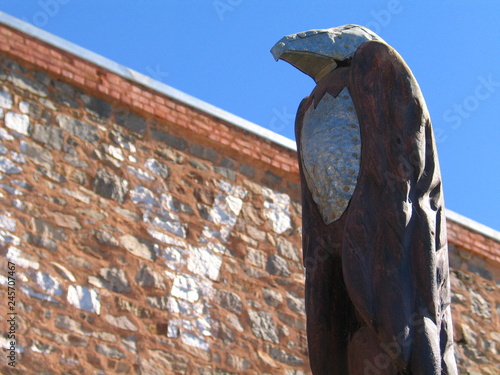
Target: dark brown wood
column 377, row 288
column 329, row 310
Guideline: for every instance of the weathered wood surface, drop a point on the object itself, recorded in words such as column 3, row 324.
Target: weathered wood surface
column 377, row 288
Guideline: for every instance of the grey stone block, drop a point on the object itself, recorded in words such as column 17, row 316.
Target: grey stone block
column 225, row 172
column 256, row 257
column 169, row 139
column 116, row 280
column 63, row 338
column 480, row 305
column 27, row 84
column 11, row 190
column 178, row 206
column 175, row 363
column 123, row 140
column 121, row 322
column 148, row 277
column 198, row 165
column 17, row 157
column 157, row 167
column 109, row 351
column 17, row 122
column 294, row 372
column 267, row 182
column 124, row 305
column 229, row 300
column 105, row 238
column 227, row 163
column 67, row 323
column 75, row 161
column 40, row 241
column 225, row 334
column 204, row 153
column 84, row 298
column 274, row 178
column 247, row 170
column 97, row 107
column 23, row 184
column 475, row 355
column 47, row 230
column 287, row 358
column 263, row 326
column 79, row 176
column 41, row 114
column 272, row 297
column 139, row 247
column 238, row 363
column 478, row 270
column 65, row 99
column 458, row 299
column 14, row 65
column 277, row 266
column 131, row 121
column 5, row 100
column 42, row 78
column 158, row 302
column 78, row 128
column 130, row 343
column 293, row 186
column 296, row 304
column 287, row 249
column 111, row 186
column 48, row 135
column 7, row 166
column 141, row 174
column 171, row 155
column 64, row 87
column 54, row 176
column 254, row 272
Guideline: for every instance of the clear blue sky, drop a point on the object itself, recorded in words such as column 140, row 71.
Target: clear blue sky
column 218, row 51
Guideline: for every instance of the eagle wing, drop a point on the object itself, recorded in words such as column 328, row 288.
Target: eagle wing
column 394, row 251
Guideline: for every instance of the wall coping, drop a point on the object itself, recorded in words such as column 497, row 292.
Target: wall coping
column 473, row 225
column 188, row 100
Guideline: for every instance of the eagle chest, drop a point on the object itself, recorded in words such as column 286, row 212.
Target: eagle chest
column 330, row 150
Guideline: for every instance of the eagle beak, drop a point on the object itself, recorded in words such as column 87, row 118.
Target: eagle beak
column 317, row 52
column 313, row 64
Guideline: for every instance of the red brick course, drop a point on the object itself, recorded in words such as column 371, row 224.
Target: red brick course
column 482, row 246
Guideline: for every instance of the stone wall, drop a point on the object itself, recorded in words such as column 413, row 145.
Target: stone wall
column 140, row 248
column 475, row 282
column 149, row 237
column 476, row 308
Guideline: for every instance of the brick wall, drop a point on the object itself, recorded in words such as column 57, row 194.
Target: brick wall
column 150, row 237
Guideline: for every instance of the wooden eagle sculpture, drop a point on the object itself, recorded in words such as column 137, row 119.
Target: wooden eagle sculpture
column 374, row 227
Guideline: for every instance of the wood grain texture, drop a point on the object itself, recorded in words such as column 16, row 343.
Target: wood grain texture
column 382, row 268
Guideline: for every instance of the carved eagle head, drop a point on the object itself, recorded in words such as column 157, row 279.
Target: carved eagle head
column 318, row 52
